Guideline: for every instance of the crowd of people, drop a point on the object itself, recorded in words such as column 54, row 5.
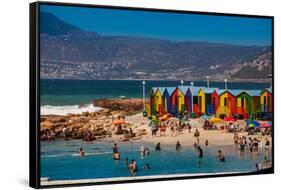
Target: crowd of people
column 175, row 127
column 251, row 143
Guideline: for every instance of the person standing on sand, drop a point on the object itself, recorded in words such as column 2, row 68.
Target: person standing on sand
column 64, row 132
column 172, row 128
column 189, row 128
column 206, row 143
column 197, row 135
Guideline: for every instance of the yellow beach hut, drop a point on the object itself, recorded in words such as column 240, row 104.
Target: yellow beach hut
column 205, row 100
column 227, row 105
column 266, row 100
column 160, row 101
column 182, row 98
column 248, row 102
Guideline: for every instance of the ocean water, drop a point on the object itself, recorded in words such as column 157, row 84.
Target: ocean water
column 65, row 96
column 60, row 160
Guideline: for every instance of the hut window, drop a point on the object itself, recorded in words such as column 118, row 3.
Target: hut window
column 264, row 100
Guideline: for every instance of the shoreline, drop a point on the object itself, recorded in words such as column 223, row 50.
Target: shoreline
column 90, row 126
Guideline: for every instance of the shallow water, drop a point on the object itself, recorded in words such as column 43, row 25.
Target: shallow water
column 60, row 160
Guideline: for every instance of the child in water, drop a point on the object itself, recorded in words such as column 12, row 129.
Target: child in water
column 81, row 152
column 221, row 156
column 146, row 167
column 178, row 146
column 158, row 148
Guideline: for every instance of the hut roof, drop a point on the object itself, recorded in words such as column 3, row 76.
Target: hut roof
column 252, row 92
column 219, row 91
column 195, row 89
column 267, row 89
column 233, row 92
column 161, row 89
column 154, row 89
column 209, row 90
column 170, row 90
column 184, row 89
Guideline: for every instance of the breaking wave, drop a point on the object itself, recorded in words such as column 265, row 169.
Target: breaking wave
column 64, row 110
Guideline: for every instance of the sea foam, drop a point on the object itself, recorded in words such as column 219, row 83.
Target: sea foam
column 64, row 110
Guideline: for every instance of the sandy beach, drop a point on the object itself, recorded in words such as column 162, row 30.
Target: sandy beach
column 215, row 137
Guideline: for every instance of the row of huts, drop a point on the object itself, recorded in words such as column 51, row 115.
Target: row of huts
column 203, row 100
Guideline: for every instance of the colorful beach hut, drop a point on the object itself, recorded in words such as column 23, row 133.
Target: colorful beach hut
column 248, row 102
column 159, row 104
column 174, row 102
column 192, row 95
column 205, row 100
column 167, row 96
column 227, row 105
column 266, row 100
column 152, row 100
column 184, row 100
column 215, row 99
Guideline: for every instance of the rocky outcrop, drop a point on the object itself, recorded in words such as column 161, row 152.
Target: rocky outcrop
column 92, row 125
column 126, row 105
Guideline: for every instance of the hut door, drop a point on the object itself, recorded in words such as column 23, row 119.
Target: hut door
column 200, row 103
column 243, row 103
column 268, row 103
column 214, row 103
column 264, row 104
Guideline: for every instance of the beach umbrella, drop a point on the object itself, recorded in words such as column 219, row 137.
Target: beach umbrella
column 270, row 123
column 173, row 119
column 265, row 125
column 253, row 123
column 119, row 122
column 229, row 118
column 205, row 117
column 165, row 117
column 215, row 120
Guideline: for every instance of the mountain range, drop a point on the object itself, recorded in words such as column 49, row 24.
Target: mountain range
column 68, row 52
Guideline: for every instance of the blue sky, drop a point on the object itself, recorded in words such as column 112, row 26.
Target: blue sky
column 170, row 26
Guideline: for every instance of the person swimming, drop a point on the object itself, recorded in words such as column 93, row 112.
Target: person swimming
column 221, row 156
column 158, row 148
column 200, row 152
column 200, row 156
column 127, row 161
column 178, row 145
column 133, row 166
column 81, row 152
column 146, row 167
column 115, row 149
column 142, row 150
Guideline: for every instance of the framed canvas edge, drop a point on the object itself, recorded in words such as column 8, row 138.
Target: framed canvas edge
column 34, row 94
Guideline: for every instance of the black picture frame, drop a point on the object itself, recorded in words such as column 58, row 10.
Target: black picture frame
column 34, row 93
